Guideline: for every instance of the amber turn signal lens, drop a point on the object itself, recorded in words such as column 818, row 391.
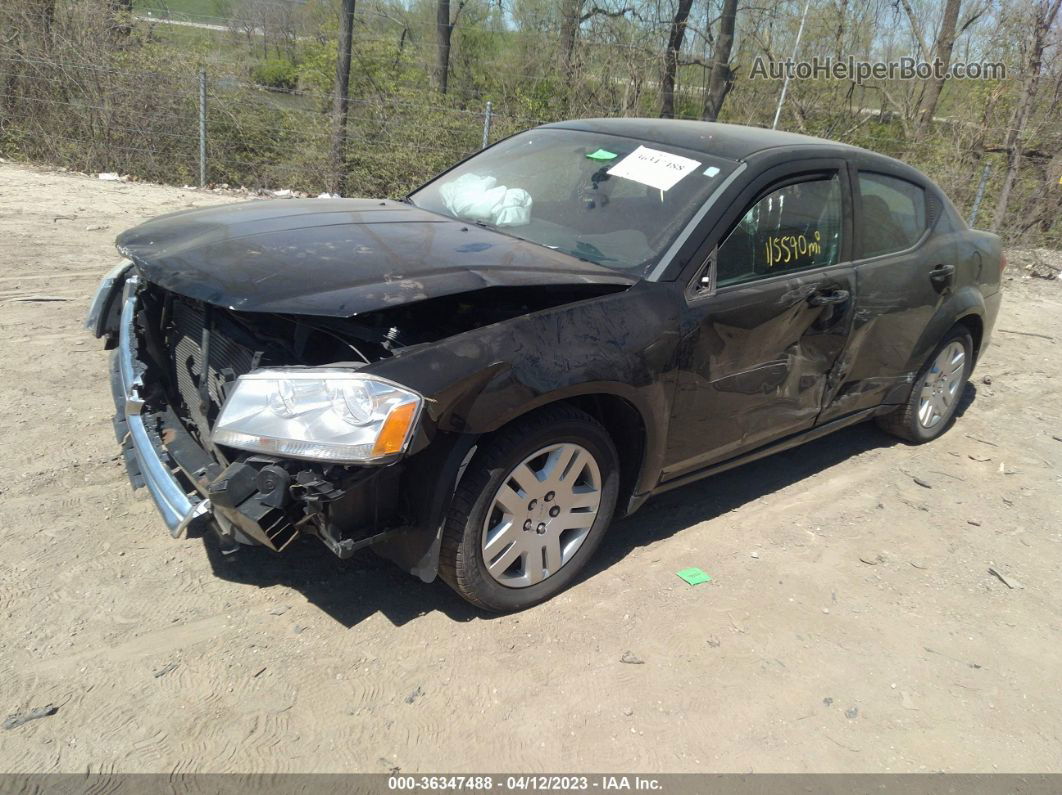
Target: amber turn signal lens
column 396, row 427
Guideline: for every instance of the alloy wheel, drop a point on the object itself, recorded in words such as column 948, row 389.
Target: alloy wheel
column 942, row 386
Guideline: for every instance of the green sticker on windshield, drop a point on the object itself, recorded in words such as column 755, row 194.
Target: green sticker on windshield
column 602, row 154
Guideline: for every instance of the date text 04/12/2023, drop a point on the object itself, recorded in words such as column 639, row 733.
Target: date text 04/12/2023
column 522, row 783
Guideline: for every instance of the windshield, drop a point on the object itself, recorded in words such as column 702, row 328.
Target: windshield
column 616, row 201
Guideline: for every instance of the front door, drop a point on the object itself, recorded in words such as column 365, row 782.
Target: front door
column 767, row 319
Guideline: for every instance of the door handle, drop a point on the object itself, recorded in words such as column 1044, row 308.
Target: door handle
column 823, row 297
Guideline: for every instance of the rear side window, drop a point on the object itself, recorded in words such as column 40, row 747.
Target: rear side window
column 793, row 228
column 893, row 213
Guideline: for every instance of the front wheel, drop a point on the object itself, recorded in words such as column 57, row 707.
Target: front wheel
column 531, row 510
column 936, row 393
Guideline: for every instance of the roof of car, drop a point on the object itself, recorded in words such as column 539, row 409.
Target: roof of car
column 730, row 141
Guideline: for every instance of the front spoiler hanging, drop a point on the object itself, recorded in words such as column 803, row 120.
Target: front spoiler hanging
column 177, row 507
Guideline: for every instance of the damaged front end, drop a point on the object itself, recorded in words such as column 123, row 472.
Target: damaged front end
column 190, row 380
column 169, row 378
column 173, row 366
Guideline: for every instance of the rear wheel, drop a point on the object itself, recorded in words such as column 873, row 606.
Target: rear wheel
column 936, row 392
column 531, row 510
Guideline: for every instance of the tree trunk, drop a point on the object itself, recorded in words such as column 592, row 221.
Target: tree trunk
column 721, row 79
column 1045, row 18
column 941, row 63
column 838, row 36
column 340, row 101
column 9, row 101
column 572, row 13
column 44, row 11
column 572, row 17
column 443, row 30
column 1046, row 205
column 674, row 46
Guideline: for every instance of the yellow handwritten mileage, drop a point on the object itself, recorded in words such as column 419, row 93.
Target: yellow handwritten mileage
column 783, row 249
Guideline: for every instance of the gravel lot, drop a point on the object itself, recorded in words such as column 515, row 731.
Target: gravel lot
column 852, row 624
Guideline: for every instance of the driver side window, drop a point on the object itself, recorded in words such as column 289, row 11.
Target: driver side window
column 792, row 228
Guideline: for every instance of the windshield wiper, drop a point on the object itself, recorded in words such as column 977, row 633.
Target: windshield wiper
column 590, row 253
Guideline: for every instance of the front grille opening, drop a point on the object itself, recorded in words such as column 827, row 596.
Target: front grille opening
column 226, row 361
column 238, row 343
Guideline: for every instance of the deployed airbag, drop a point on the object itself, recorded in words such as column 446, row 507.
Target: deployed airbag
column 483, row 199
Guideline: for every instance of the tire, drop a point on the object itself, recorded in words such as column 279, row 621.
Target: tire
column 530, row 525
column 908, row 421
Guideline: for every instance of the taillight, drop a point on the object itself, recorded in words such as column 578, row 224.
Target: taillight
column 1002, row 263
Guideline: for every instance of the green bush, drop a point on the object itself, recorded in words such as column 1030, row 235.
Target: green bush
column 276, row 73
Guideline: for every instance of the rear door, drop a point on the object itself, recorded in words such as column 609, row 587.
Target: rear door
column 768, row 316
column 904, row 272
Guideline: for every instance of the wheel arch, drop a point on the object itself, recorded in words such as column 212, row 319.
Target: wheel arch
column 905, row 420
column 630, row 426
column 975, row 324
column 625, row 424
column 966, row 307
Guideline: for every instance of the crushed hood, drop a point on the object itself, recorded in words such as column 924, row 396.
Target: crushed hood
column 337, row 257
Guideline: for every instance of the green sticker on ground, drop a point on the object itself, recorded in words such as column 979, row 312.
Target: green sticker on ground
column 602, row 154
column 694, row 576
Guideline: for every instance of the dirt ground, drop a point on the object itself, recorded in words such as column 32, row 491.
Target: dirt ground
column 852, row 623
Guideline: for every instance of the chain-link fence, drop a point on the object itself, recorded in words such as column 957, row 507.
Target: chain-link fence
column 187, row 116
column 212, row 127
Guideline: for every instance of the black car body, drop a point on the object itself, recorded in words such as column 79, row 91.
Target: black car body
column 741, row 336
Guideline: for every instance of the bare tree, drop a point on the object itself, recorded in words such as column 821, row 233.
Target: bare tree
column 444, row 29
column 674, row 46
column 571, row 18
column 941, row 55
column 838, row 36
column 341, row 98
column 1045, row 12
column 1044, row 206
column 573, row 14
column 44, row 12
column 721, row 77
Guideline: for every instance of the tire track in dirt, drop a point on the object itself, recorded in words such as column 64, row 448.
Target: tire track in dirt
column 14, row 275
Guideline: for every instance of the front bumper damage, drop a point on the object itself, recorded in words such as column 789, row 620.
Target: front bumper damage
column 144, row 456
column 249, row 499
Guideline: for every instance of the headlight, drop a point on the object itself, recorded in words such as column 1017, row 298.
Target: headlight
column 321, row 414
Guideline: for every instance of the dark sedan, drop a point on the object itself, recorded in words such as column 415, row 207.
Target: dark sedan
column 476, row 380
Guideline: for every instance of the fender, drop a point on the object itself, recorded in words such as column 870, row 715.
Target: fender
column 962, row 303
column 430, row 480
column 652, row 406
column 622, row 345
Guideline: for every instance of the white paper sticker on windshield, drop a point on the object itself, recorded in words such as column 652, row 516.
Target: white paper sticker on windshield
column 653, row 168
